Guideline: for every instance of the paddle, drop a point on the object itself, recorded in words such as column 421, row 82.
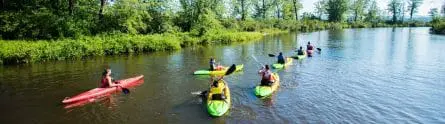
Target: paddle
column 228, row 72
column 124, row 90
column 319, row 49
column 256, row 60
column 271, row 55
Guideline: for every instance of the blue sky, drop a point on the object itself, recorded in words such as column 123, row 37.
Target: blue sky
column 308, row 5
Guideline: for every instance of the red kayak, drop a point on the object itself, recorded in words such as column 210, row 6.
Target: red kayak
column 100, row 92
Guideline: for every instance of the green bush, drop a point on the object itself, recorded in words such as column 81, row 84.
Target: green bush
column 438, row 27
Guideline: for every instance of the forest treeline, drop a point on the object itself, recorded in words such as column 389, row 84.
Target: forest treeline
column 40, row 30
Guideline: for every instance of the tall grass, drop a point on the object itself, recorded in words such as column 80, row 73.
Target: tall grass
column 20, row 51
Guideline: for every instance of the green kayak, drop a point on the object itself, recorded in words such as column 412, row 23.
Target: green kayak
column 219, row 107
column 280, row 66
column 300, row 56
column 220, row 72
column 263, row 91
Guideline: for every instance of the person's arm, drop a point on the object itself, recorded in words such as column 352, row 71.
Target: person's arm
column 110, row 82
column 261, row 70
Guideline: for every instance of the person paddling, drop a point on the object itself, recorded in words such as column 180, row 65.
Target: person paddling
column 217, row 90
column 214, row 66
column 107, row 80
column 300, row 51
column 281, row 59
column 309, row 46
column 266, row 76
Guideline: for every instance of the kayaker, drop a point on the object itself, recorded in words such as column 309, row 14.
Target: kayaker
column 212, row 64
column 281, row 58
column 217, row 90
column 107, row 80
column 300, row 51
column 309, row 46
column 267, row 78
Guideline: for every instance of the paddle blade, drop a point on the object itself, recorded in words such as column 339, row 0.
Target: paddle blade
column 199, row 93
column 125, row 90
column 319, row 49
column 271, row 55
column 231, row 69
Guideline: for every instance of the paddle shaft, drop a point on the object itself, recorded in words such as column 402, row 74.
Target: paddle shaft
column 256, row 60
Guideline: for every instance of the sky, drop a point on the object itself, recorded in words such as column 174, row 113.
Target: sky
column 308, row 5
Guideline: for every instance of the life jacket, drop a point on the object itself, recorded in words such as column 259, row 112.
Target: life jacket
column 310, row 47
column 300, row 52
column 217, row 92
column 104, row 82
column 267, row 75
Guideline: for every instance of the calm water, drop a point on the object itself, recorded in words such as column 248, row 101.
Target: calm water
column 381, row 75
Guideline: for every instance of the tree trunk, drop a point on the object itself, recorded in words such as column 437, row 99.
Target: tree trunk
column 394, row 15
column 411, row 12
column 355, row 15
column 243, row 13
column 278, row 10
column 71, row 6
column 101, row 9
column 264, row 9
column 295, row 9
column 2, row 4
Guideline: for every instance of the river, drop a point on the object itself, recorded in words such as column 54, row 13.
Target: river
column 378, row 75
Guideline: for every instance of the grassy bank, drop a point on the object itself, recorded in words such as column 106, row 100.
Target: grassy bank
column 22, row 51
column 25, row 51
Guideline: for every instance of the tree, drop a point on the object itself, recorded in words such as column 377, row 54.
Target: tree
column 262, row 7
column 101, row 10
column 402, row 11
column 278, row 7
column 336, row 10
column 373, row 12
column 443, row 8
column 358, row 8
column 413, row 5
column 434, row 13
column 244, row 7
column 288, row 10
column 394, row 9
column 297, row 6
column 320, row 8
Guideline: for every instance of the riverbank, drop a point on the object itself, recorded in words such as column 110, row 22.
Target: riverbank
column 26, row 51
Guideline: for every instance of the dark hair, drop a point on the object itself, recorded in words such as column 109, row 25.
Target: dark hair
column 215, row 83
column 281, row 53
column 267, row 67
column 105, row 72
column 301, row 47
column 308, row 42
